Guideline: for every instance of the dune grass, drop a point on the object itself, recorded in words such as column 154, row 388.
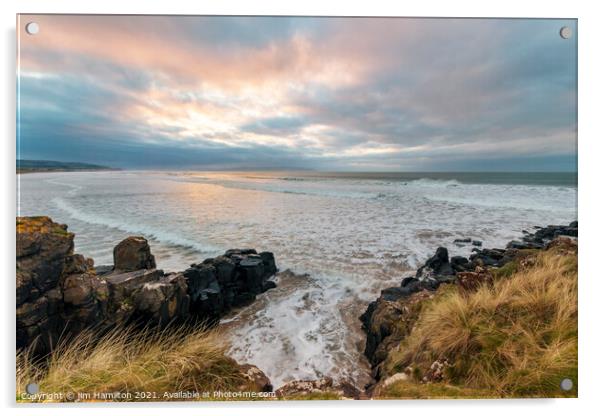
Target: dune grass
column 412, row 390
column 515, row 339
column 125, row 360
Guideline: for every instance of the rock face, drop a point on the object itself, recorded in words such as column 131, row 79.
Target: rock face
column 218, row 284
column 42, row 249
column 133, row 253
column 437, row 267
column 391, row 317
column 57, row 291
column 387, row 321
column 60, row 293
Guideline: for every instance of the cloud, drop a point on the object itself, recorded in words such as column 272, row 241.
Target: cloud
column 323, row 93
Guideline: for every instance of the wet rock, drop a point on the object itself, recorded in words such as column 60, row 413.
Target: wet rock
column 224, row 269
column 544, row 235
column 269, row 263
column 462, row 241
column 408, row 280
column 477, row 243
column 460, row 264
column 386, row 320
column 523, row 245
column 240, row 251
column 438, row 265
column 133, row 253
column 488, row 257
column 218, row 284
column 393, row 293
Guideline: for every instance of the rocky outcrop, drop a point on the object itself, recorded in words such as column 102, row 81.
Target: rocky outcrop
column 42, row 250
column 133, row 253
column 219, row 284
column 544, row 235
column 387, row 321
column 390, row 318
column 60, row 293
column 57, row 290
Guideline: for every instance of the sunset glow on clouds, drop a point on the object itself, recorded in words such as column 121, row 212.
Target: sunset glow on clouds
column 319, row 93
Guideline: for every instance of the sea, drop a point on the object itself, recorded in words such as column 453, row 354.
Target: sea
column 345, row 235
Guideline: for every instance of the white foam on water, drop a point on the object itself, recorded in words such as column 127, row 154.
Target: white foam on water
column 297, row 331
column 146, row 230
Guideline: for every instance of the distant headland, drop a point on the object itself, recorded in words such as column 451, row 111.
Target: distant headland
column 29, row 166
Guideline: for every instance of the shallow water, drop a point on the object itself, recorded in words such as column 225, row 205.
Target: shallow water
column 354, row 234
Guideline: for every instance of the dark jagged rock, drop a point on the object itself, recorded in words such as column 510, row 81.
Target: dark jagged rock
column 381, row 316
column 436, row 266
column 60, row 293
column 386, row 322
column 461, row 241
column 460, row 264
column 544, row 235
column 234, row 279
column 488, row 257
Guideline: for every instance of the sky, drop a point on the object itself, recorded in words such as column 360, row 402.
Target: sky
column 335, row 94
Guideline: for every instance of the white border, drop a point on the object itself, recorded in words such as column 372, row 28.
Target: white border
column 589, row 191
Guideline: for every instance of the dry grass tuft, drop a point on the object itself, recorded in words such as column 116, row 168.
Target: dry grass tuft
column 517, row 338
column 126, row 360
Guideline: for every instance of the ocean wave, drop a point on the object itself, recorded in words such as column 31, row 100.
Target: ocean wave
column 435, row 183
column 145, row 230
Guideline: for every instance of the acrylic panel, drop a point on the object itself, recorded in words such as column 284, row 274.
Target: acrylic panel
column 286, row 208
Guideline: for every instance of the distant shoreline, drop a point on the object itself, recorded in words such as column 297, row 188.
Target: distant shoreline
column 48, row 170
column 31, row 166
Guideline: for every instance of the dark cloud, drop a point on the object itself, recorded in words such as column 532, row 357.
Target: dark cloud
column 370, row 94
